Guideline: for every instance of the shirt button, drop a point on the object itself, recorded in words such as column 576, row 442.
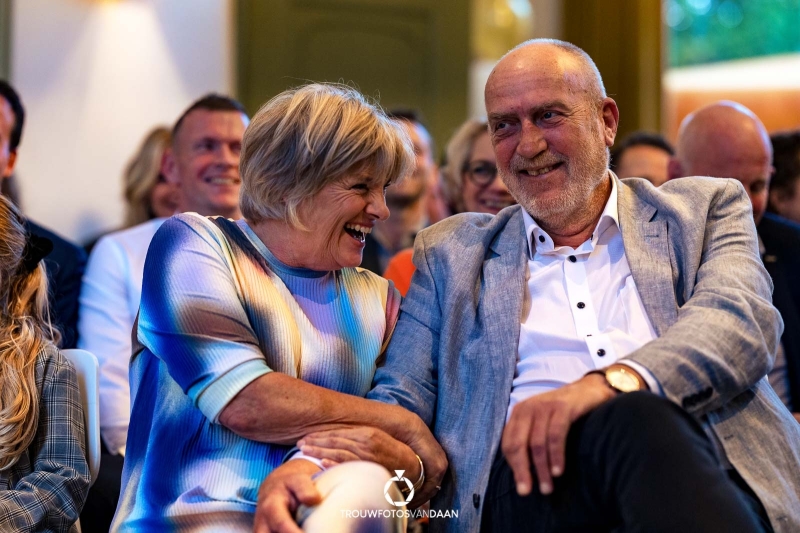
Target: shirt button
column 572, row 258
column 541, row 238
column 581, row 305
column 601, row 352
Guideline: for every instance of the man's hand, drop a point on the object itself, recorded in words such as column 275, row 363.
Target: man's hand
column 371, row 444
column 539, row 426
column 281, row 493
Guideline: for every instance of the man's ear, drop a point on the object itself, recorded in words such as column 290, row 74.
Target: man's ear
column 674, row 169
column 169, row 166
column 610, row 115
column 12, row 160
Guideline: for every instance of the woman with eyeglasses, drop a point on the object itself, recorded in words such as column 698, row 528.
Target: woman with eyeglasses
column 471, row 183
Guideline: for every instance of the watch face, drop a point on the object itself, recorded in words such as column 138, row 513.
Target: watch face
column 622, row 381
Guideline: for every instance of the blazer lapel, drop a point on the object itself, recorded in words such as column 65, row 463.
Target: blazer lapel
column 647, row 249
column 504, row 272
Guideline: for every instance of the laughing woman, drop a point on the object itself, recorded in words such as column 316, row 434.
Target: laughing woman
column 255, row 332
column 44, row 477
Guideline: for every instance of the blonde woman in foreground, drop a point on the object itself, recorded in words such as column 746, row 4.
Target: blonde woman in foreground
column 44, row 477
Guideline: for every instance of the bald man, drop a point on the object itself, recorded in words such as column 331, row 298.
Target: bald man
column 593, row 358
column 727, row 140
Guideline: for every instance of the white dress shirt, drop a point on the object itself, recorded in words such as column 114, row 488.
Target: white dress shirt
column 582, row 310
column 109, row 301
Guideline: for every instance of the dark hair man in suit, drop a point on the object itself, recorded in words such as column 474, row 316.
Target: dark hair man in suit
column 727, row 140
column 66, row 262
column 784, row 189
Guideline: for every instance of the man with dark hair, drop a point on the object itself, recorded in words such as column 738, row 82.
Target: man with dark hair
column 203, row 161
column 66, row 262
column 727, row 140
column 784, row 193
column 642, row 155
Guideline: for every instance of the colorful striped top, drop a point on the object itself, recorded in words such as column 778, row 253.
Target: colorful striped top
column 218, row 310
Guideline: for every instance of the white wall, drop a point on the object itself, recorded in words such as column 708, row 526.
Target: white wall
column 95, row 76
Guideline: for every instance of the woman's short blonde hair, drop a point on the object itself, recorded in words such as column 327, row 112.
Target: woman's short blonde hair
column 309, row 137
column 458, row 152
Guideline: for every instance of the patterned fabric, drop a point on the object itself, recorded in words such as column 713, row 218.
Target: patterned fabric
column 45, row 490
column 218, row 310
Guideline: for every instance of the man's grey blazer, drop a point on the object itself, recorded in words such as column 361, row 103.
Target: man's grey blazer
column 692, row 249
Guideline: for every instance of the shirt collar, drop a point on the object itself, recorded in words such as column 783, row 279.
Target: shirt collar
column 540, row 241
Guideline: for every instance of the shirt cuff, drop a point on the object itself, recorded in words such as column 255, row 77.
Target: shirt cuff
column 295, row 453
column 219, row 394
column 647, row 376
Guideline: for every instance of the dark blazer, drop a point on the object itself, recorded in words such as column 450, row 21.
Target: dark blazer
column 781, row 240
column 65, row 266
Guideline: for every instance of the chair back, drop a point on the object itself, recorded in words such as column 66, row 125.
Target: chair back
column 88, row 371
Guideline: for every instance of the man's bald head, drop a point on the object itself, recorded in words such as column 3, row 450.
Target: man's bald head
column 572, row 60
column 726, row 140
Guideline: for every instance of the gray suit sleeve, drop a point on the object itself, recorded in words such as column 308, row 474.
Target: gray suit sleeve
column 408, row 376
column 727, row 331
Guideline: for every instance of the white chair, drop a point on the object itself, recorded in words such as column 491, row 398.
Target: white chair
column 88, row 371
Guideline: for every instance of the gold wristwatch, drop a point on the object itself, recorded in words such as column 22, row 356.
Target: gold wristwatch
column 621, row 378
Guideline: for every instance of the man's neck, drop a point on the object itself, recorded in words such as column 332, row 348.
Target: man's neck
column 577, row 228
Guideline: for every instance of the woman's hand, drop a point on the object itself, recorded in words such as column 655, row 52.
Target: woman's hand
column 371, row 444
column 286, row 488
column 360, row 443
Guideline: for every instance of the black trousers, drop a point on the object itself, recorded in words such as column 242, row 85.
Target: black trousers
column 638, row 463
column 102, row 501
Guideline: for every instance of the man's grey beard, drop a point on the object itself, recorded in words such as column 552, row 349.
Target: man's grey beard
column 559, row 211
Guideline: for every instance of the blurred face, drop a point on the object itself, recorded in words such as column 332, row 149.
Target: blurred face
column 414, row 185
column 752, row 167
column 644, row 161
column 204, row 162
column 163, row 199
column 549, row 135
column 338, row 219
column 7, row 157
column 482, row 190
column 787, row 205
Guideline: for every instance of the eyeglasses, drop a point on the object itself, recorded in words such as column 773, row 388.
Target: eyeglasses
column 481, row 173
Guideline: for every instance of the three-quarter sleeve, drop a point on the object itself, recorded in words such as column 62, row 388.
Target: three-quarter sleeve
column 192, row 316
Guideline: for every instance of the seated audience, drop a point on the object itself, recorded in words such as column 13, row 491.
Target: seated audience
column 471, row 184
column 593, row 359
column 642, row 155
column 408, row 201
column 254, row 333
column 66, row 262
column 44, row 476
column 727, row 140
column 147, row 193
column 202, row 163
column 784, row 193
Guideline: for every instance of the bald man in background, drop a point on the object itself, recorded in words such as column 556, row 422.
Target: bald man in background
column 727, row 140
